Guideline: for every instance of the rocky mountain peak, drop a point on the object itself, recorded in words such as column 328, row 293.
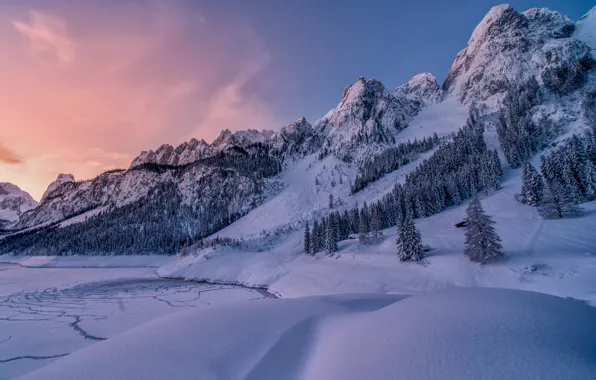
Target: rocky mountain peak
column 224, row 137
column 368, row 115
column 423, row 87
column 549, row 24
column 13, row 203
column 501, row 51
column 59, row 181
column 296, row 139
column 361, row 89
column 193, row 150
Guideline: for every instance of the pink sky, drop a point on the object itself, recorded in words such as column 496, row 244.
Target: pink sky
column 86, row 87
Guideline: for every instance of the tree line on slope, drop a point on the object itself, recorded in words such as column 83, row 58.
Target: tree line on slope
column 456, row 171
column 482, row 242
column 567, row 178
column 390, row 160
column 163, row 222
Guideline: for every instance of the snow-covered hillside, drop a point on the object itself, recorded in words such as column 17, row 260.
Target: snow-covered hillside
column 550, row 256
column 464, row 334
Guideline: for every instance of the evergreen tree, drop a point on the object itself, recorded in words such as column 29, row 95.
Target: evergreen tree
column 557, row 202
column 532, row 186
column 482, row 242
column 330, row 201
column 409, row 242
column 315, row 245
column 323, row 231
column 362, row 232
column 366, row 218
column 307, row 240
column 331, row 241
column 345, row 231
column 580, row 171
column 374, row 223
column 491, row 172
column 355, row 222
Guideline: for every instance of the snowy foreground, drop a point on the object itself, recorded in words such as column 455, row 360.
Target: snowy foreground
column 456, row 334
column 48, row 313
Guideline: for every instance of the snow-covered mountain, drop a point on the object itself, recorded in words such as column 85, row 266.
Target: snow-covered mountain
column 193, row 200
column 422, row 87
column 52, row 189
column 507, row 53
column 194, row 150
column 510, row 47
column 367, row 119
column 296, row 139
column 13, row 203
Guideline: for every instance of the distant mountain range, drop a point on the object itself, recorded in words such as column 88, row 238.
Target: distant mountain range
column 172, row 196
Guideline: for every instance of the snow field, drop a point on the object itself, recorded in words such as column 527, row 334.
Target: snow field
column 458, row 334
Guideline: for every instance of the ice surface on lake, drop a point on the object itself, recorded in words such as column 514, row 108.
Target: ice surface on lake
column 47, row 313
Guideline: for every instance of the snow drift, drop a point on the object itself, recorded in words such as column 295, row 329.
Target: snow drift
column 459, row 334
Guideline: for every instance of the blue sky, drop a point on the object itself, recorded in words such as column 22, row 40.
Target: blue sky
column 319, row 47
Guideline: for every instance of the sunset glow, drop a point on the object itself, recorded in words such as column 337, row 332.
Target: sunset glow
column 86, row 88
column 87, row 85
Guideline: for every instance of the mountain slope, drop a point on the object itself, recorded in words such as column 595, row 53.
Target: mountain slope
column 194, row 150
column 126, row 211
column 13, row 203
column 367, row 119
column 422, row 87
column 508, row 46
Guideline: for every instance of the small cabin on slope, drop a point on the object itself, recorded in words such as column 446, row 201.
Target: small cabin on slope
column 462, row 224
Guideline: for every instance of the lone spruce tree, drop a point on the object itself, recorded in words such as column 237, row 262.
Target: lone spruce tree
column 532, row 186
column 482, row 242
column 409, row 246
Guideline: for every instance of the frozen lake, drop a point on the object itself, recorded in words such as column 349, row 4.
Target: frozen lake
column 47, row 313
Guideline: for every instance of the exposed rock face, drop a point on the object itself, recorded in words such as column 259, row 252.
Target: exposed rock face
column 13, row 203
column 194, row 150
column 242, row 138
column 423, row 87
column 367, row 118
column 564, row 64
column 245, row 168
column 296, row 139
column 53, row 188
column 501, row 51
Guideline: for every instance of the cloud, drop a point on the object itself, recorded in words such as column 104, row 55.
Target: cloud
column 47, row 34
column 232, row 108
column 9, row 157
